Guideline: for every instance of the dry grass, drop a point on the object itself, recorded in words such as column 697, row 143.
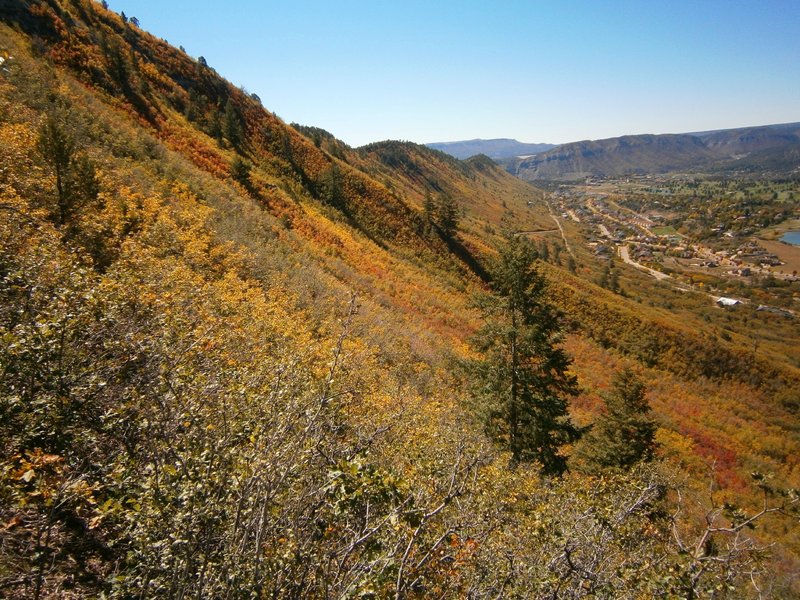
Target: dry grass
column 786, row 252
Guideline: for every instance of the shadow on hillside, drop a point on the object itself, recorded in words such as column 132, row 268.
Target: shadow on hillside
column 465, row 256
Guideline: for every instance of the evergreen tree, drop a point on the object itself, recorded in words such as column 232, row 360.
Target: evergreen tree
column 214, row 125
column 232, row 124
column 192, row 110
column 604, row 277
column 521, row 383
column 240, row 171
column 428, row 207
column 609, row 279
column 572, row 265
column 625, row 433
column 76, row 180
column 544, row 251
column 57, row 147
column 428, row 213
column 447, row 215
column 557, row 254
column 331, row 187
column 613, row 281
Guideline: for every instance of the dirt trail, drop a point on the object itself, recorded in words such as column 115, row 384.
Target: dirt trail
column 560, row 229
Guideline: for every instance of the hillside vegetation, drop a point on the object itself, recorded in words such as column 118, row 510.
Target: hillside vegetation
column 239, row 358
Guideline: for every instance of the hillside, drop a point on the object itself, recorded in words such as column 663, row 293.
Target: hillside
column 494, row 149
column 238, row 357
column 774, row 148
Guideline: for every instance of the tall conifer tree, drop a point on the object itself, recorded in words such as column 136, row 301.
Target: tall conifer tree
column 521, row 384
column 447, row 215
column 625, row 433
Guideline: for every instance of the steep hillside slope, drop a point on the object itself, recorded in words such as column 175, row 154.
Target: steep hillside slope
column 484, row 192
column 231, row 359
column 328, row 205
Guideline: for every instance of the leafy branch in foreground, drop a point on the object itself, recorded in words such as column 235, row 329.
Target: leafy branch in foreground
column 719, row 551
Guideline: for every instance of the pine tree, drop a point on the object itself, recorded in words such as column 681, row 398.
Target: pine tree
column 331, row 187
column 613, row 281
column 240, row 171
column 544, row 251
column 428, row 214
column 447, row 215
column 625, row 433
column 572, row 265
column 521, row 383
column 604, row 277
column 232, row 124
column 428, row 207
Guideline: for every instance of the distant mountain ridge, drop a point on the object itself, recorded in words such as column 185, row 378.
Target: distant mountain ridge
column 770, row 147
column 495, row 148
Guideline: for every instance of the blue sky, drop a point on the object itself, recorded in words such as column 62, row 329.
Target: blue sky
column 536, row 71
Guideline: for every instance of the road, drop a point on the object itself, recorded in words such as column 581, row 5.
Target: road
column 626, row 258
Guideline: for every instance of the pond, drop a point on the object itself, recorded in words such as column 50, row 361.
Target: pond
column 791, row 237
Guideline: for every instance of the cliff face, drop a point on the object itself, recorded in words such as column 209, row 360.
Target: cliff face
column 641, row 154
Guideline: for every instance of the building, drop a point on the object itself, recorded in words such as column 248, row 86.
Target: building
column 725, row 302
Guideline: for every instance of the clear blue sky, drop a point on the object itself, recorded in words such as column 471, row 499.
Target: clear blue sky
column 428, row 70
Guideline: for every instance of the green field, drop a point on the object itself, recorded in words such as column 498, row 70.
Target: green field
column 668, row 230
